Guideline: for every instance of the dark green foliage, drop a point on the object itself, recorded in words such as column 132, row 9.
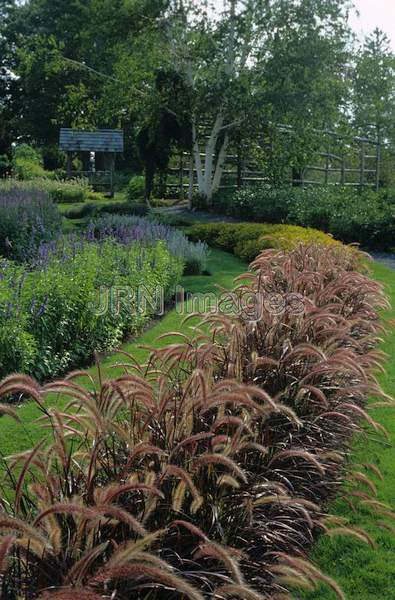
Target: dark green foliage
column 176, row 219
column 88, row 209
column 263, row 203
column 348, row 215
column 125, row 208
column 5, row 165
column 367, row 217
column 91, row 209
column 136, row 188
column 165, row 128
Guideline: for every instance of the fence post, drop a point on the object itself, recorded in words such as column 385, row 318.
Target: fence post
column 69, row 164
column 378, row 161
column 239, row 182
column 190, row 186
column 343, row 171
column 181, row 176
column 362, row 166
column 327, row 165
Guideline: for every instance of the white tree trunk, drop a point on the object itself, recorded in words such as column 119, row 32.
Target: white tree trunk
column 209, row 178
column 197, row 159
column 190, row 182
column 220, row 165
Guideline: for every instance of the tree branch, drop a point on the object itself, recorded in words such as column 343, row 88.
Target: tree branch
column 103, row 75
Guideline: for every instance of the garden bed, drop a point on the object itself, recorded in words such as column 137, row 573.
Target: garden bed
column 65, row 297
column 285, row 466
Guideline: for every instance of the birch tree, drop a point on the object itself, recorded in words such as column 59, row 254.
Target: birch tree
column 215, row 49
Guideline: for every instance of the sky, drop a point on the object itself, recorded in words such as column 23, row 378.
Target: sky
column 375, row 13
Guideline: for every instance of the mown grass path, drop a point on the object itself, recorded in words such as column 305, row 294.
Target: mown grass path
column 365, row 573
column 223, row 268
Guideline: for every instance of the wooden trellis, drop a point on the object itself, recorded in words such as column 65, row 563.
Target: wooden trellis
column 334, row 168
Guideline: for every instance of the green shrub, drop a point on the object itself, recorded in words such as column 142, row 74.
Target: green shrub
column 68, row 194
column 247, row 240
column 125, row 208
column 367, row 218
column 173, row 219
column 5, row 165
column 26, row 169
column 27, row 163
column 89, row 209
column 263, row 203
column 96, row 196
column 136, row 188
column 206, row 232
column 350, row 216
column 27, row 152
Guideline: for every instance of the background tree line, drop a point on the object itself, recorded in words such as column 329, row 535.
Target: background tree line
column 185, row 75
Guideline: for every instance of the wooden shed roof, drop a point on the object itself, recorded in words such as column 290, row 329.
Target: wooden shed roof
column 102, row 140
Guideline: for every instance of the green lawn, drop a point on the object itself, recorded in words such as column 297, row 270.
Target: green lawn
column 365, row 573
column 223, row 268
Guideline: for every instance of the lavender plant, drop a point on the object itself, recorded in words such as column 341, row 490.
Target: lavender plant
column 126, row 229
column 28, row 217
column 50, row 310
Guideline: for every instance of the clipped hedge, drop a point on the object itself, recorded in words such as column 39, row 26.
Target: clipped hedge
column 247, row 240
column 92, row 209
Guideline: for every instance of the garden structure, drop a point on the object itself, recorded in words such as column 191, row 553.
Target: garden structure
column 104, row 144
column 353, row 161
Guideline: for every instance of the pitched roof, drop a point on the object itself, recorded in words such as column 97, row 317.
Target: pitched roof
column 102, row 140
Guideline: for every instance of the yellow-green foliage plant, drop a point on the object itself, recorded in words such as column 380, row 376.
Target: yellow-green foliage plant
column 247, row 240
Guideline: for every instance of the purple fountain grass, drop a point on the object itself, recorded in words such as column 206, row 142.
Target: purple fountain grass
column 204, row 473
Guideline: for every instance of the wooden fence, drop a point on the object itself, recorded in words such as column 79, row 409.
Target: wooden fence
column 357, row 166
